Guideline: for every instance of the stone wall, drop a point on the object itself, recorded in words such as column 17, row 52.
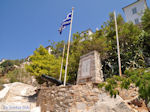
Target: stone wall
column 60, row 98
column 79, row 98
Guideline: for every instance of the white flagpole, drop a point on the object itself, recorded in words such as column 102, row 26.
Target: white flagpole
column 62, row 63
column 119, row 62
column 68, row 48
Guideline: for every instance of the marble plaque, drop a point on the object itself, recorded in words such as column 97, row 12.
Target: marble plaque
column 86, row 68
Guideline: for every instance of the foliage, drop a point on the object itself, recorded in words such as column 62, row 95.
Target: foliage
column 1, row 87
column 44, row 63
column 129, row 45
column 145, row 36
column 111, row 85
column 1, row 84
column 1, row 69
column 8, row 65
column 140, row 77
column 80, row 46
column 146, row 20
column 11, row 63
column 57, row 48
column 13, row 76
column 131, row 38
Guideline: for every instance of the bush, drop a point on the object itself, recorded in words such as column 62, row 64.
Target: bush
column 44, row 63
column 140, row 77
column 1, row 84
column 13, row 75
column 18, row 75
column 8, row 65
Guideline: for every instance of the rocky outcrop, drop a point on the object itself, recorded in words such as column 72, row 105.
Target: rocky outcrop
column 79, row 98
column 17, row 96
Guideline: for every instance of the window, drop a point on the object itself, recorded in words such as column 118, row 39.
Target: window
column 134, row 10
column 136, row 21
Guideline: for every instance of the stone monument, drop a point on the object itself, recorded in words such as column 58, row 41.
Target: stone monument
column 90, row 68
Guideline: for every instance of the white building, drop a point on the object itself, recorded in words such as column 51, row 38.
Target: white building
column 134, row 11
column 87, row 33
column 49, row 49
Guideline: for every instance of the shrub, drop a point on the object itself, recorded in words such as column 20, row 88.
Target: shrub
column 140, row 77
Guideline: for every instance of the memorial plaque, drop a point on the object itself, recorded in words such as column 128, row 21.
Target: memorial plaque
column 86, row 68
column 90, row 69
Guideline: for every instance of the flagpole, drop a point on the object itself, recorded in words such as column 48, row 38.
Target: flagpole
column 119, row 62
column 62, row 63
column 68, row 48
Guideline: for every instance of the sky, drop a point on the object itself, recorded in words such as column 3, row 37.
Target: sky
column 27, row 24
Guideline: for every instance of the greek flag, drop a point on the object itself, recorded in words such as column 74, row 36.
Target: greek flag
column 65, row 22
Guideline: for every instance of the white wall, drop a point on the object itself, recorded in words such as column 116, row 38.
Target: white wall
column 140, row 6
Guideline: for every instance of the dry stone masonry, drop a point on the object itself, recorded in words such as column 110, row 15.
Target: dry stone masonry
column 79, row 98
column 90, row 68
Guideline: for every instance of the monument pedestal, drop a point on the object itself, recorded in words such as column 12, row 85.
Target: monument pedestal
column 90, row 68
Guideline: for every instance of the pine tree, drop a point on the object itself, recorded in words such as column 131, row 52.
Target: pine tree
column 41, row 62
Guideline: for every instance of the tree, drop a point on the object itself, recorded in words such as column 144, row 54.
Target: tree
column 57, row 48
column 41, row 62
column 129, row 48
column 80, row 46
column 104, row 41
column 145, row 36
column 146, row 20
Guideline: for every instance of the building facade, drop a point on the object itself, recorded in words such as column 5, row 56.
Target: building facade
column 86, row 34
column 135, row 11
column 49, row 49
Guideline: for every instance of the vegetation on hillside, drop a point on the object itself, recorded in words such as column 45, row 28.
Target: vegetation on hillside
column 139, row 74
column 16, row 75
column 11, row 71
column 134, row 44
column 140, row 77
column 44, row 63
column 9, row 65
column 146, row 33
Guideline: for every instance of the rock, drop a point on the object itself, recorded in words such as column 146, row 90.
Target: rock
column 60, row 94
column 62, row 90
column 36, row 109
column 113, row 104
column 101, row 108
column 122, row 107
column 4, row 91
column 95, row 90
column 80, row 106
column 137, row 102
column 81, row 98
column 144, row 111
column 136, row 107
column 19, row 94
column 53, row 92
column 148, row 106
column 133, row 94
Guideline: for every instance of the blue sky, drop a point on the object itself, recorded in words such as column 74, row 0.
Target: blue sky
column 27, row 24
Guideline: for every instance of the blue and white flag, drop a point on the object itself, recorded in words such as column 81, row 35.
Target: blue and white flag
column 66, row 22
